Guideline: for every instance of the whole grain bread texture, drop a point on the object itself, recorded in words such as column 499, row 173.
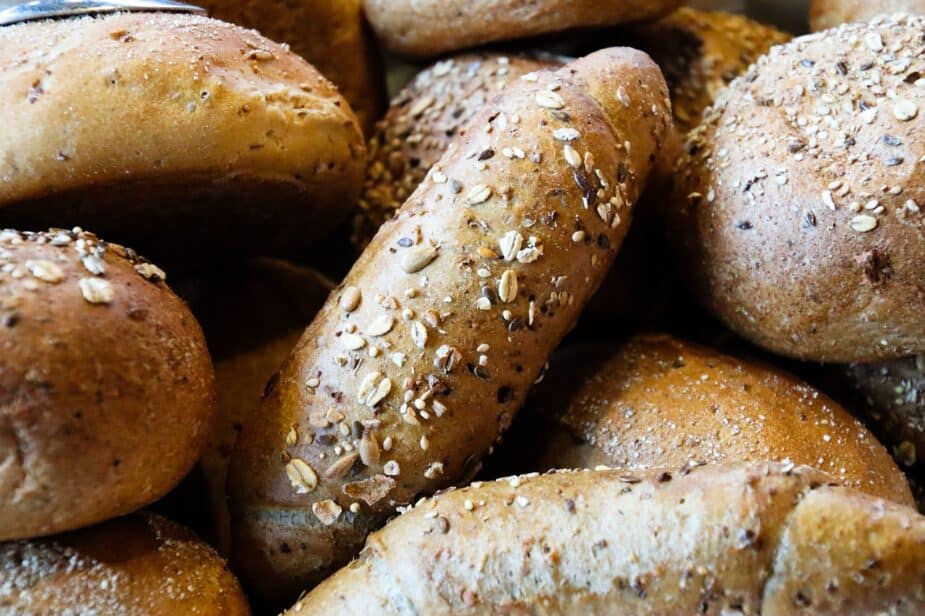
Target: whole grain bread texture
column 825, row 14
column 174, row 132
column 427, row 28
column 106, row 386
column 424, row 119
column 796, row 215
column 742, row 539
column 253, row 314
column 700, row 53
column 139, row 565
column 891, row 395
column 331, row 34
column 657, row 402
column 425, row 352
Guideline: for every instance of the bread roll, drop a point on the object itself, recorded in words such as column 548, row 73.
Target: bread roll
column 106, row 385
column 892, row 395
column 423, row 120
column 155, row 127
column 753, row 539
column 426, row 351
column 797, row 216
column 825, row 14
column 331, row 34
column 138, row 565
column 253, row 315
column 700, row 53
column 426, row 28
column 657, row 402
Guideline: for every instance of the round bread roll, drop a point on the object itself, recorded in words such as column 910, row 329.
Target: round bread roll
column 422, row 28
column 138, row 565
column 331, row 34
column 421, row 123
column 825, row 14
column 760, row 538
column 658, row 402
column 106, row 385
column 892, row 395
column 253, row 316
column 146, row 126
column 796, row 212
column 700, row 53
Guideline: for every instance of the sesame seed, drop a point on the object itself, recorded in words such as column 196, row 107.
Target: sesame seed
column 391, row 468
column 350, row 299
column 483, row 303
column 578, row 236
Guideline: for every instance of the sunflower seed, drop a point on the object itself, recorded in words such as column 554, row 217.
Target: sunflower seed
column 623, row 97
column 417, row 258
column 350, row 299
column 419, row 334
column 549, row 100
column 566, row 134
column 572, row 157
column 369, row 448
column 342, row 465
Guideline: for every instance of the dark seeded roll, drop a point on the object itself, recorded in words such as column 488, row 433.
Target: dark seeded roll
column 797, row 216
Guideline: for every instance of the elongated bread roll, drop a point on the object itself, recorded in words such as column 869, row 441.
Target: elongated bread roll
column 658, row 402
column 753, row 539
column 425, row 353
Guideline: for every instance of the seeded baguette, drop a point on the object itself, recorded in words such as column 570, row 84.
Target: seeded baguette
column 657, row 402
column 154, row 126
column 427, row 28
column 422, row 122
column 387, row 396
column 253, row 315
column 752, row 539
column 138, row 565
column 825, row 14
column 106, row 386
column 797, row 216
column 331, row 34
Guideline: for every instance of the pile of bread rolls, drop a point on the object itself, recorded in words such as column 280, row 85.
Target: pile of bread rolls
column 616, row 308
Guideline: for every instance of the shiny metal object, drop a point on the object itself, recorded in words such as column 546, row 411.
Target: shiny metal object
column 52, row 9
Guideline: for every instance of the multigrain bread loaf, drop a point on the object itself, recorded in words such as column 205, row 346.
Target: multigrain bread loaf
column 422, row 121
column 426, row 351
column 106, row 385
column 331, row 34
column 700, row 53
column 155, row 127
column 892, row 395
column 825, row 14
column 426, row 28
column 132, row 566
column 253, row 315
column 753, row 539
column 657, row 402
column 797, row 217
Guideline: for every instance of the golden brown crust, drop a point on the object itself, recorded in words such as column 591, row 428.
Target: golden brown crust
column 892, row 395
column 825, row 14
column 138, row 565
column 750, row 539
column 700, row 53
column 660, row 402
column 171, row 125
column 331, row 34
column 253, row 316
column 460, row 298
column 797, row 213
column 106, row 385
column 422, row 28
column 423, row 120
